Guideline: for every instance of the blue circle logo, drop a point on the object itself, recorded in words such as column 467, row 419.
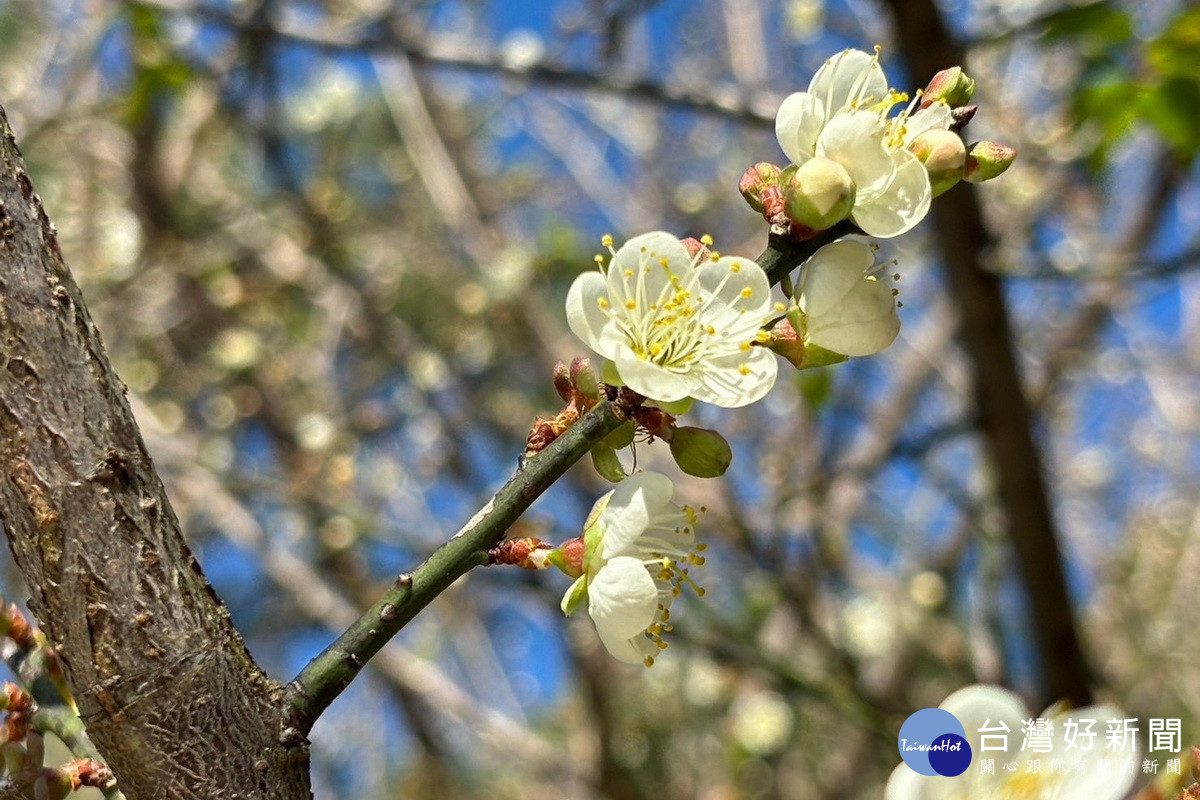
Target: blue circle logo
column 933, row 742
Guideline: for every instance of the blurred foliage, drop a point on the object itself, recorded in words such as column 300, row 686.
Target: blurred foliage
column 327, row 245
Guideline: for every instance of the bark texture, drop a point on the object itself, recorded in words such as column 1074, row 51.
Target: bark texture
column 164, row 683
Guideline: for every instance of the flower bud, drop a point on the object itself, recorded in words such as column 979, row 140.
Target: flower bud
column 951, row 85
column 568, row 557
column 583, row 378
column 562, row 381
column 756, row 180
column 819, row 195
column 526, row 553
column 697, row 249
column 961, row 116
column 986, row 160
column 700, row 452
column 944, row 155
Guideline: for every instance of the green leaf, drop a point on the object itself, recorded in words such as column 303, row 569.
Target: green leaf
column 605, row 460
column 622, row 437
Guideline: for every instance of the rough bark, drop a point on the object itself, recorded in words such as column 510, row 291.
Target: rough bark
column 1005, row 420
column 164, row 683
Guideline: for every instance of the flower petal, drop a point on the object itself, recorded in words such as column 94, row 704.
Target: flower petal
column 899, row 207
column 631, row 507
column 724, row 384
column 647, row 378
column 831, row 273
column 855, row 141
column 797, row 125
column 863, row 323
column 906, row 784
column 584, row 314
column 849, row 76
column 622, row 598
column 642, row 256
column 631, row 650
column 935, row 117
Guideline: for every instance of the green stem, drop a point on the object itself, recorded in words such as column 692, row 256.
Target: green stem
column 327, row 675
column 331, row 672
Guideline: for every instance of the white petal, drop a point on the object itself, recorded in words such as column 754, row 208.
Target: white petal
column 646, row 377
column 856, row 142
column 974, row 706
column 738, row 283
column 903, row 204
column 635, row 501
column 935, row 117
column 631, row 650
column 906, row 784
column 850, row 75
column 863, row 322
column 1095, row 784
column 643, row 255
column 584, row 314
column 622, row 598
column 797, row 125
column 831, row 273
column 723, row 384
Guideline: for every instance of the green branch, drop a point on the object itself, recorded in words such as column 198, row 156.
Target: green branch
column 327, row 675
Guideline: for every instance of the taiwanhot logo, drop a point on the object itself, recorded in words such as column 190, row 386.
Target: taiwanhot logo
column 933, row 742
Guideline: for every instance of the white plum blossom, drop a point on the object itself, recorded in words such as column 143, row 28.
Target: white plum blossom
column 847, row 309
column 1081, row 778
column 844, row 117
column 637, row 546
column 677, row 326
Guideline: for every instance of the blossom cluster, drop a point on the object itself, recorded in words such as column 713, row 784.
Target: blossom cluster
column 677, row 322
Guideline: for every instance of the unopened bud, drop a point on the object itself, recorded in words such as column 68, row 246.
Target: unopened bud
column 951, row 85
column 944, row 155
column 583, row 378
column 819, row 195
column 756, row 180
column 568, row 556
column 700, row 452
column 697, row 249
column 986, row 160
column 961, row 116
column 526, row 553
column 562, row 381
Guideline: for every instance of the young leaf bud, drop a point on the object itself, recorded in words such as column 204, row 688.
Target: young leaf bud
column 756, row 180
column 583, row 378
column 562, row 381
column 819, row 195
column 951, row 85
column 986, row 160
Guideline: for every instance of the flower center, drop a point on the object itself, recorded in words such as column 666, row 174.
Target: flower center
column 668, row 329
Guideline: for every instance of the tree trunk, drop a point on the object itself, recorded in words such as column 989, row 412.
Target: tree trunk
column 163, row 682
